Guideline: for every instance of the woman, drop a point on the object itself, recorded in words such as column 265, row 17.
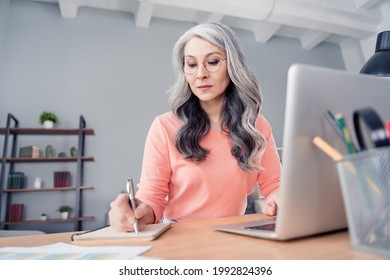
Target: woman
column 204, row 157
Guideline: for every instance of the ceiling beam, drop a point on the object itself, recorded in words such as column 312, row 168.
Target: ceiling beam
column 265, row 18
column 311, row 39
column 264, row 31
column 68, row 8
column 366, row 4
column 215, row 17
column 351, row 22
column 144, row 14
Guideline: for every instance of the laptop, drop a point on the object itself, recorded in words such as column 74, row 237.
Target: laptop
column 310, row 200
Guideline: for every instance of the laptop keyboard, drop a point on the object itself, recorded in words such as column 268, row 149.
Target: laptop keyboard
column 270, row 227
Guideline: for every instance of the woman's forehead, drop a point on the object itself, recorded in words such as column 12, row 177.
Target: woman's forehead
column 198, row 47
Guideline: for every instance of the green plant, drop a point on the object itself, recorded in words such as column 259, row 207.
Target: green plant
column 48, row 116
column 64, row 208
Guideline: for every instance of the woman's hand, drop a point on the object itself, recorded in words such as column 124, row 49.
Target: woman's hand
column 271, row 204
column 122, row 217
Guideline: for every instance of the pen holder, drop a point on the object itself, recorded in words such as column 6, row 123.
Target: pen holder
column 365, row 186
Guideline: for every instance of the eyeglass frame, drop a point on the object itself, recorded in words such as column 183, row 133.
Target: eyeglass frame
column 204, row 65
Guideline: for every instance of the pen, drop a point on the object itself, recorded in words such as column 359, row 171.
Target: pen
column 333, row 123
column 130, row 191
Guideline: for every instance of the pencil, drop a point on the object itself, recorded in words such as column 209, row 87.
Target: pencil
column 326, row 148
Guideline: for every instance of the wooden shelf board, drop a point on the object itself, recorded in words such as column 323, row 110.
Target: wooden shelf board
column 44, row 159
column 47, row 189
column 48, row 131
column 59, row 220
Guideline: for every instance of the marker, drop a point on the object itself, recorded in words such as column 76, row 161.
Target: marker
column 346, row 134
column 130, row 191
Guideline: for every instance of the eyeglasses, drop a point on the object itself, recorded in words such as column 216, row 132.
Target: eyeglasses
column 211, row 65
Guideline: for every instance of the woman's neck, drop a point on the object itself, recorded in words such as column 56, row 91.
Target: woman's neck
column 214, row 111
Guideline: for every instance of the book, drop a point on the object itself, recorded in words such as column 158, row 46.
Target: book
column 16, row 180
column 16, row 212
column 30, row 151
column 61, row 179
column 108, row 235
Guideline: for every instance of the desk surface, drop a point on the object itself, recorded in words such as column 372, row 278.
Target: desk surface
column 198, row 241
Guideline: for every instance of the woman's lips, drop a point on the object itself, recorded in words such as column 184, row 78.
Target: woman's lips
column 204, row 87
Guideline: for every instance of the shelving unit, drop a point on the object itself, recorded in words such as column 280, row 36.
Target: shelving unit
column 11, row 133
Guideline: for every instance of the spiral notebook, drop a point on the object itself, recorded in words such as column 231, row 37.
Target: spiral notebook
column 108, row 235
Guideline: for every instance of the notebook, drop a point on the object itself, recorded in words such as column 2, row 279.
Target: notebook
column 108, row 235
column 310, row 200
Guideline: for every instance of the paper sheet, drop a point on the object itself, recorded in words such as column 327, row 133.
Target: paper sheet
column 63, row 251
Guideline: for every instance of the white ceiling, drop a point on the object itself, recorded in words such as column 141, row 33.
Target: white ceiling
column 310, row 21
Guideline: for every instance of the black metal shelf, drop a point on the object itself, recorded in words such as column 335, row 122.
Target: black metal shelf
column 11, row 133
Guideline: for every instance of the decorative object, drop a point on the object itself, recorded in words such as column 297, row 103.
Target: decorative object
column 38, row 183
column 49, row 152
column 379, row 63
column 73, row 152
column 64, row 210
column 48, row 119
column 62, row 154
column 43, row 217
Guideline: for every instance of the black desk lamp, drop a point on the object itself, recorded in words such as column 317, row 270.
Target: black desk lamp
column 379, row 63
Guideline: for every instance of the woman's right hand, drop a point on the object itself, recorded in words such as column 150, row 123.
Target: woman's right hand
column 122, row 217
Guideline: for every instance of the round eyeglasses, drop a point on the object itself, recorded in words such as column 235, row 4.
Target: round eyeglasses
column 211, row 65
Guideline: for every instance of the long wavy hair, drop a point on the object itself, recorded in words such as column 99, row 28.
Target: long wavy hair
column 242, row 104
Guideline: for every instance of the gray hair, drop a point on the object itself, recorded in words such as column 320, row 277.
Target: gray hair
column 242, row 105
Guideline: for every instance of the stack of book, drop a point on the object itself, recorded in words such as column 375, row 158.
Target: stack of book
column 15, row 213
column 30, row 152
column 61, row 179
column 15, row 180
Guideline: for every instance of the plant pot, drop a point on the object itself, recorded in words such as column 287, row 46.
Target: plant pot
column 48, row 124
column 65, row 215
column 43, row 217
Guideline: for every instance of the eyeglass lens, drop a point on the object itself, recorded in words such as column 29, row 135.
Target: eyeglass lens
column 211, row 65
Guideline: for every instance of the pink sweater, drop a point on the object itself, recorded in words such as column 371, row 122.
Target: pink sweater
column 180, row 189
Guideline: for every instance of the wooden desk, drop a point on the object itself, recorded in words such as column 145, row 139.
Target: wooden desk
column 198, row 241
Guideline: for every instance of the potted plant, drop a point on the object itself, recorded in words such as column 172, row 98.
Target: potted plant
column 48, row 119
column 64, row 210
column 43, row 217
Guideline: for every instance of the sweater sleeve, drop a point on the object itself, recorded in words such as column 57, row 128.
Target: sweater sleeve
column 269, row 177
column 153, row 186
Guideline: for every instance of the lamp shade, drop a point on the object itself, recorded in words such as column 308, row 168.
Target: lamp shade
column 379, row 63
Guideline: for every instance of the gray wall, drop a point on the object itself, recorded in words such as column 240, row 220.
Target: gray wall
column 115, row 74
column 4, row 8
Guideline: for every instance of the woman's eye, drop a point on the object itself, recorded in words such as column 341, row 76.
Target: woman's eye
column 191, row 64
column 213, row 62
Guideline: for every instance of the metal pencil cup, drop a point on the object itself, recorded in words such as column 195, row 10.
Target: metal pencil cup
column 365, row 186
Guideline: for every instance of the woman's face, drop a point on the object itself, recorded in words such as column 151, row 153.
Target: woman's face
column 209, row 77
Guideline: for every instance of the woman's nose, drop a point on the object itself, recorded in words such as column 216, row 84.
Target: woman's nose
column 201, row 72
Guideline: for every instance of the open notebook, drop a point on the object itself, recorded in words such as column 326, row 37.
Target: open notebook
column 107, row 234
